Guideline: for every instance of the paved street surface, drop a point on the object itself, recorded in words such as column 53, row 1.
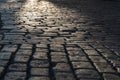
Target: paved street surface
column 59, row 40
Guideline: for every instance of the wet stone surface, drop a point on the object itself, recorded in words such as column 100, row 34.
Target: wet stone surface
column 59, row 40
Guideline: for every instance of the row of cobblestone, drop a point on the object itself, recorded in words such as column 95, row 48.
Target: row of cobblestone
column 48, row 61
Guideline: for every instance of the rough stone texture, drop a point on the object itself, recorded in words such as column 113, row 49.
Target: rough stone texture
column 3, row 63
column 59, row 58
column 111, row 77
column 5, row 55
column 21, row 58
column 77, row 58
column 39, row 63
column 40, row 55
column 86, row 73
column 64, row 76
column 15, row 76
column 39, row 78
column 97, row 59
column 59, row 40
column 62, row 67
column 18, row 67
column 104, row 67
column 9, row 48
column 39, row 71
column 82, row 65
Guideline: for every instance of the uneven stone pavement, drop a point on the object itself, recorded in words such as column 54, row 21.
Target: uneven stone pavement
column 59, row 40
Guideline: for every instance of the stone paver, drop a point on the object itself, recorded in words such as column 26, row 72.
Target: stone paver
column 59, row 40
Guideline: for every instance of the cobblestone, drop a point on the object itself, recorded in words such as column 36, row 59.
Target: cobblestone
column 104, row 67
column 97, row 59
column 40, row 63
column 15, row 76
column 77, row 58
column 76, row 52
column 58, row 53
column 91, row 52
column 39, row 71
column 59, row 40
column 62, row 67
column 78, row 65
column 64, row 76
column 18, row 67
column 111, row 77
column 40, row 55
column 3, row 63
column 9, row 48
column 86, row 73
column 59, row 59
column 39, row 78
column 26, row 46
column 5, row 55
column 24, row 52
column 21, row 58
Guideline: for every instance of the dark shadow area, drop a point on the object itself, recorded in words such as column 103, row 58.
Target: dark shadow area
column 9, row 15
column 12, row 0
column 7, row 20
column 102, row 14
column 0, row 21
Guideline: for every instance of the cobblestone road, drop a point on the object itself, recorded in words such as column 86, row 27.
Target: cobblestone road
column 59, row 40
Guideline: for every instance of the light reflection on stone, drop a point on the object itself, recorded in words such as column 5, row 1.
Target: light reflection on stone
column 42, row 13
